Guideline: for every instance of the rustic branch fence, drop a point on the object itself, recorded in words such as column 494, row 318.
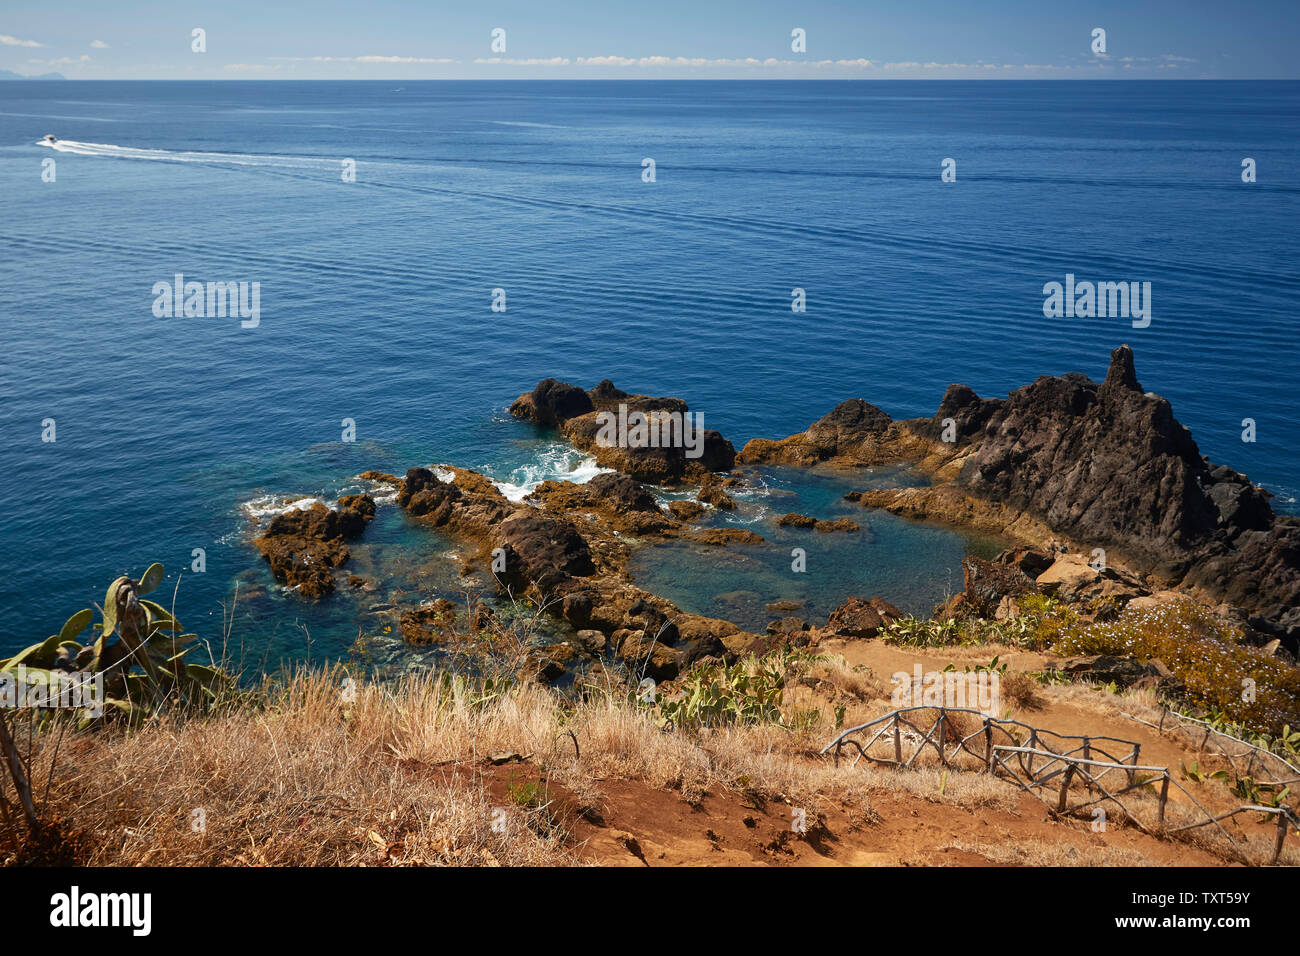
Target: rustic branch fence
column 1037, row 761
column 1230, row 748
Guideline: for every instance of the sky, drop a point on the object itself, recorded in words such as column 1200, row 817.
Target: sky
column 653, row 39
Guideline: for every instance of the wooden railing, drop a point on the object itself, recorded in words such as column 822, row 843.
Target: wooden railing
column 1068, row 773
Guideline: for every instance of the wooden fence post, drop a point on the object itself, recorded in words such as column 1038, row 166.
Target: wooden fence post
column 1065, row 787
column 988, row 745
column 1164, row 796
column 1281, row 838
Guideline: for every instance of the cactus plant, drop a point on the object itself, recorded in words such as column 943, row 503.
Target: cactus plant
column 148, row 636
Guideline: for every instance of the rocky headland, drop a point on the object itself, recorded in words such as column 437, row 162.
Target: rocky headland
column 1069, row 465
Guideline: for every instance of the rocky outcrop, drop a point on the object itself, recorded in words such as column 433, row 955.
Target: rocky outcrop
column 564, row 547
column 860, row 618
column 305, row 546
column 551, row 403
column 712, row 493
column 547, row 553
column 665, row 456
column 794, row 520
column 619, row 501
column 961, row 418
column 853, row 429
column 1107, row 464
column 686, row 510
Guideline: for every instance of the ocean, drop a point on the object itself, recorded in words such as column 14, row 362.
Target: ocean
column 376, row 305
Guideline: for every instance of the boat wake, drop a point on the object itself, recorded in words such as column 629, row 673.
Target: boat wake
column 111, row 151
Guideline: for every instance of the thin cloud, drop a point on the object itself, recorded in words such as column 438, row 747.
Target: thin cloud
column 14, row 41
column 98, row 45
column 365, row 59
column 63, row 60
column 532, row 61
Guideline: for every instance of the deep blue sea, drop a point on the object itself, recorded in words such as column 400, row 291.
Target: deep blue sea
column 180, row 433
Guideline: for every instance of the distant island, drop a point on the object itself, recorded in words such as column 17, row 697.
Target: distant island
column 11, row 75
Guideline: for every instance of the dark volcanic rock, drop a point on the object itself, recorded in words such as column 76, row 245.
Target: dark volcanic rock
column 1109, row 465
column 304, row 546
column 1261, row 574
column 423, row 494
column 1106, row 464
column 577, row 414
column 623, row 493
column 848, row 424
column 606, row 392
column 857, row 617
column 545, row 551
column 969, row 414
column 552, row 402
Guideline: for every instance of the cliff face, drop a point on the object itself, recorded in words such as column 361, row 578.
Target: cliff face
column 1110, row 465
column 1104, row 463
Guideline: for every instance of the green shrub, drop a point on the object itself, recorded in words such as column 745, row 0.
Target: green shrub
column 1223, row 675
column 747, row 692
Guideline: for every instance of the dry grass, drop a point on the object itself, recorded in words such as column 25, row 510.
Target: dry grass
column 1042, row 853
column 396, row 774
column 392, row 776
column 306, row 780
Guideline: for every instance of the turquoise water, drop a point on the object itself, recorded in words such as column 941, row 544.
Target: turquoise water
column 911, row 565
column 376, row 294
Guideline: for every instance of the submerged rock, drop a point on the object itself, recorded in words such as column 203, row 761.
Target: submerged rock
column 794, row 520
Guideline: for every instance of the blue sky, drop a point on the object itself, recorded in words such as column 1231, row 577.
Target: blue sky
column 653, row 39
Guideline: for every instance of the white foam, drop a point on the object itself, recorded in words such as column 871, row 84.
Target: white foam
column 268, row 506
column 555, row 462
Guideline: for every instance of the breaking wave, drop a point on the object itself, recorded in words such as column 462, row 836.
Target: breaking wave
column 555, row 462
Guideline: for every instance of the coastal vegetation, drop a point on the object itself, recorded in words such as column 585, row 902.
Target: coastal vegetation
column 485, row 765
